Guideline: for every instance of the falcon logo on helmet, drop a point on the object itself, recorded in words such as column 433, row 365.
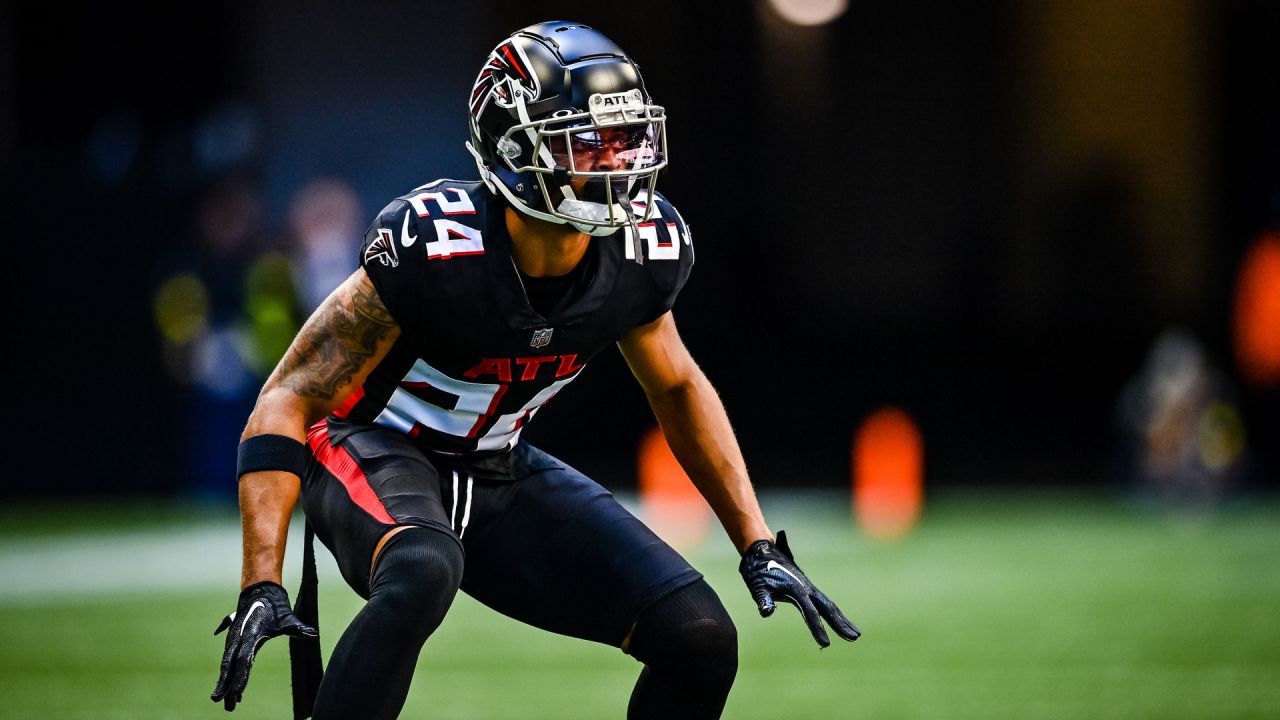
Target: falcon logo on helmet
column 564, row 129
column 506, row 74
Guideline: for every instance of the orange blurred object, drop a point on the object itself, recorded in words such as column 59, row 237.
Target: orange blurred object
column 888, row 473
column 1257, row 319
column 672, row 506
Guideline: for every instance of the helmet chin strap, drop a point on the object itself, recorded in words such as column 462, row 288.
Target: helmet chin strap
column 617, row 201
column 592, row 230
column 602, row 230
column 637, row 246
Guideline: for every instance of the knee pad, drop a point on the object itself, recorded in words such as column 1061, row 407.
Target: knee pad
column 417, row 575
column 688, row 631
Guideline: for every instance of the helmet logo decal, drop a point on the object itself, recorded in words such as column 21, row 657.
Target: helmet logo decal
column 506, row 73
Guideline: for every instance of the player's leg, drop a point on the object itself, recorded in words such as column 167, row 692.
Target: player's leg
column 689, row 648
column 555, row 550
column 374, row 501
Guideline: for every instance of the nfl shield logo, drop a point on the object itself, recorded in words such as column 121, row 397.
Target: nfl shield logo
column 541, row 338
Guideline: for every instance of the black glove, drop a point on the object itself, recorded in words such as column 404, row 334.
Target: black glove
column 770, row 572
column 262, row 613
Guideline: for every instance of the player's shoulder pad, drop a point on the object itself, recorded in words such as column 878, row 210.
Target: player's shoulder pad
column 381, row 246
column 665, row 235
column 669, row 214
column 438, row 220
column 667, row 244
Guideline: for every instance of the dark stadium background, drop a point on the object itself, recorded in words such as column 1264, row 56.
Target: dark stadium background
column 897, row 208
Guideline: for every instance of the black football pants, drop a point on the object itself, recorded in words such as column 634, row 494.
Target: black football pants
column 529, row 536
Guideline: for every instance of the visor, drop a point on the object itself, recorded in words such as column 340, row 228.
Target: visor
column 599, row 150
column 618, row 145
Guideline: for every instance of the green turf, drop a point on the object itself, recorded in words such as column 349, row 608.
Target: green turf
column 1041, row 607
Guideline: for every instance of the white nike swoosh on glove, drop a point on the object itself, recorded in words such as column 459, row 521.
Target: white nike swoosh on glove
column 773, row 565
column 258, row 603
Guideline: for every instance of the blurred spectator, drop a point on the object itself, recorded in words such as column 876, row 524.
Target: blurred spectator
column 1183, row 434
column 326, row 220
column 226, row 311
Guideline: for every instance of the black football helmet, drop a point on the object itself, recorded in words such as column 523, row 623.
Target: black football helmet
column 563, row 128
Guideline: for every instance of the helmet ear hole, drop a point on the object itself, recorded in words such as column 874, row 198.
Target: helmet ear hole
column 508, row 148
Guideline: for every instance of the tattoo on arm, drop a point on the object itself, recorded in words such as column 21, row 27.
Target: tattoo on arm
column 336, row 341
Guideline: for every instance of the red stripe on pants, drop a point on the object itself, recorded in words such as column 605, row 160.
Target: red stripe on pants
column 339, row 462
column 355, row 397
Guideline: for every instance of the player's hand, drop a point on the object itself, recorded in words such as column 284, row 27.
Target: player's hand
column 771, row 574
column 262, row 613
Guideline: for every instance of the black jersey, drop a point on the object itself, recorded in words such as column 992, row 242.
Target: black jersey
column 474, row 361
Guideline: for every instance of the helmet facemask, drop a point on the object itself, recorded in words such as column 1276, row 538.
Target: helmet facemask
column 593, row 170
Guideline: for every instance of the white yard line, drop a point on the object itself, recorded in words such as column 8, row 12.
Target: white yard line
column 204, row 556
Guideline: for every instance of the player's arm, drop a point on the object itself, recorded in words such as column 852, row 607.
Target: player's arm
column 346, row 337
column 697, row 428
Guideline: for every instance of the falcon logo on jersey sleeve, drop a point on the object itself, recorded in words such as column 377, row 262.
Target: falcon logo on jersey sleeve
column 382, row 249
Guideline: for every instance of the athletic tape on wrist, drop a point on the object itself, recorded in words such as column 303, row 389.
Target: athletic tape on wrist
column 271, row 452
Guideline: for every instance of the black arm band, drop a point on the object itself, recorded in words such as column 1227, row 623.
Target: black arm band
column 271, row 452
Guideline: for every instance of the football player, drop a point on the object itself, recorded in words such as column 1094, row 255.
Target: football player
column 396, row 414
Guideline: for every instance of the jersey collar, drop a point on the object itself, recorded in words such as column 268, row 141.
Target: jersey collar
column 509, row 290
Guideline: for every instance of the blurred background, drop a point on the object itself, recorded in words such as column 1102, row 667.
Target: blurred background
column 1042, row 238
column 987, row 215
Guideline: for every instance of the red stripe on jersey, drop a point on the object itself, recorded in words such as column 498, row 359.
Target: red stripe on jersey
column 671, row 236
column 461, row 196
column 446, row 256
column 356, row 396
column 340, row 463
column 493, row 407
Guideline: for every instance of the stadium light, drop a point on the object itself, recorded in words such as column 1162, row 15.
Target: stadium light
column 809, row 12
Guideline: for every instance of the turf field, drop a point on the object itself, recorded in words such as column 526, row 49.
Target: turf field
column 997, row 606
